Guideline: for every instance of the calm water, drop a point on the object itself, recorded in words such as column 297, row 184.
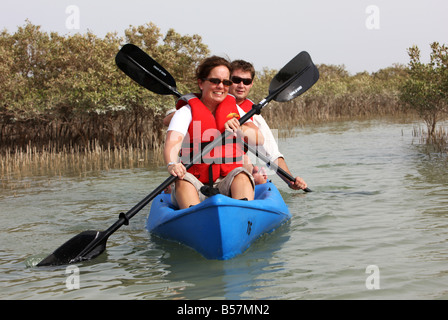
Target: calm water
column 377, row 201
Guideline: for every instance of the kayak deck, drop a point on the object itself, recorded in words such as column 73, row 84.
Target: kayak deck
column 219, row 227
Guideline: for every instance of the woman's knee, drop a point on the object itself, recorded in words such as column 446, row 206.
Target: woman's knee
column 243, row 178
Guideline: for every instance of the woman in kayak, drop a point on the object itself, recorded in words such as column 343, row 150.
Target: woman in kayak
column 200, row 119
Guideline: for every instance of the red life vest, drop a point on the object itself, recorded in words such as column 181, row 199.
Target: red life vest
column 246, row 105
column 203, row 129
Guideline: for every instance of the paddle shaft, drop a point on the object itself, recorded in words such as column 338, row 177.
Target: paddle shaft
column 270, row 164
column 89, row 244
column 124, row 218
column 145, row 63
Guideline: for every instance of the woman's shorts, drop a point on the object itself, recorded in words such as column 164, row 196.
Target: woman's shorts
column 223, row 184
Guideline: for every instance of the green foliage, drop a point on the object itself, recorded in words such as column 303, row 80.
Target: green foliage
column 43, row 73
column 426, row 90
column 67, row 89
column 178, row 54
column 337, row 89
column 260, row 89
column 339, row 95
column 69, row 82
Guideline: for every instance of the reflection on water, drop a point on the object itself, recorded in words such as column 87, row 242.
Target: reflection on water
column 378, row 200
column 230, row 279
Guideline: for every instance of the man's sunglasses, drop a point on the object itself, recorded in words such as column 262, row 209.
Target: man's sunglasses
column 246, row 81
column 217, row 81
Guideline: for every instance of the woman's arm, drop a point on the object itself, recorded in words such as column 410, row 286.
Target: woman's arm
column 173, row 144
column 253, row 134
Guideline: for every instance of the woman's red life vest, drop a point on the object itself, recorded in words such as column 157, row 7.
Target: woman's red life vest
column 203, row 129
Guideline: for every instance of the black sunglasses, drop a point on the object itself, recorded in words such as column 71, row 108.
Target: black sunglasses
column 217, row 81
column 246, row 81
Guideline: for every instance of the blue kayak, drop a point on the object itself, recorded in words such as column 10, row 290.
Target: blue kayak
column 219, row 227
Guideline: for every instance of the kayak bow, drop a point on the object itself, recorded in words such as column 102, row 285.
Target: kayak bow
column 219, row 227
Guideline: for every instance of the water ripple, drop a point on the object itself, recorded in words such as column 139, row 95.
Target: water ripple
column 377, row 201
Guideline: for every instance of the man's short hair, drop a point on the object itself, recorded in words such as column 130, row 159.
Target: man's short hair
column 243, row 65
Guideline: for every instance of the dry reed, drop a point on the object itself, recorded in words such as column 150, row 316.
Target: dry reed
column 15, row 165
column 436, row 143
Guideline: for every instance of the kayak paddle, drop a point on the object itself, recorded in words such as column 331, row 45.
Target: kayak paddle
column 89, row 244
column 143, row 69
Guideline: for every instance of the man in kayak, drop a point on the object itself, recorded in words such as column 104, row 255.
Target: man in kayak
column 242, row 77
column 202, row 119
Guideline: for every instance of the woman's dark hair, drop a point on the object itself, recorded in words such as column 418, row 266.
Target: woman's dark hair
column 206, row 66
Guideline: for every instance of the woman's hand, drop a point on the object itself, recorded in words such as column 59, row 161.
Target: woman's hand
column 233, row 125
column 177, row 170
column 247, row 131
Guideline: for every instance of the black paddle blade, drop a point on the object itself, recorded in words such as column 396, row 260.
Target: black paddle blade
column 69, row 251
column 302, row 68
column 141, row 68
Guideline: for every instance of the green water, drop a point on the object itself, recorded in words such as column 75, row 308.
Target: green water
column 378, row 201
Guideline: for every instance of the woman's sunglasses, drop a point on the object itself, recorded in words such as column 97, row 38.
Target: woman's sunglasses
column 246, row 81
column 217, row 81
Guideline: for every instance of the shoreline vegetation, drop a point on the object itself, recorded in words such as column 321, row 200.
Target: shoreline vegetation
column 64, row 102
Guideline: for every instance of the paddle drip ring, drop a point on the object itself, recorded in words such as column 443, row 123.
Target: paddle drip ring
column 123, row 216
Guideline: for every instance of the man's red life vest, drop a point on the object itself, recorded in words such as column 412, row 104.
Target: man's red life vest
column 203, row 129
column 246, row 105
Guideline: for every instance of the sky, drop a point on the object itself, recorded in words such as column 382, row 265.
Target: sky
column 363, row 35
